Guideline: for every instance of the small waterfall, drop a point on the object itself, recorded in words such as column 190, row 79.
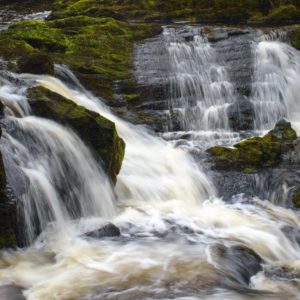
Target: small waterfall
column 61, row 185
column 182, row 76
column 200, row 87
column 275, row 91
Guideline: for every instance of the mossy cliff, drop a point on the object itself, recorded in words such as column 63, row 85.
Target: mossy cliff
column 97, row 132
column 232, row 11
column 257, row 152
column 98, row 50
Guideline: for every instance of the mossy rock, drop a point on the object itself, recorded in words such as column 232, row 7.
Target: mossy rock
column 229, row 11
column 283, row 14
column 37, row 63
column 96, row 131
column 257, row 152
column 97, row 49
column 296, row 198
column 294, row 36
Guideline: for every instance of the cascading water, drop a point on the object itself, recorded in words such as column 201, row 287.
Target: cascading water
column 200, row 88
column 275, row 91
column 153, row 170
column 50, row 156
column 178, row 241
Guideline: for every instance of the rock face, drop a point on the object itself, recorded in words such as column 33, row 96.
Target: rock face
column 97, row 132
column 257, row 152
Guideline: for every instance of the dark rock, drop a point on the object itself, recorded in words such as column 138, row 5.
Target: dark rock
column 37, row 63
column 96, row 131
column 8, row 213
column 11, row 292
column 296, row 197
column 239, row 263
column 241, row 115
column 108, row 230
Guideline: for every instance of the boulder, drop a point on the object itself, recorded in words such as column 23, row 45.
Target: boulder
column 257, row 152
column 108, row 230
column 239, row 262
column 37, row 63
column 96, row 131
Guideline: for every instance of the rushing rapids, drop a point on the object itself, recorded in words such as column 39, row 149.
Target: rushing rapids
column 178, row 239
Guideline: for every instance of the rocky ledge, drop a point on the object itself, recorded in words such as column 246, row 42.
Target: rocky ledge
column 268, row 165
column 96, row 131
column 258, row 152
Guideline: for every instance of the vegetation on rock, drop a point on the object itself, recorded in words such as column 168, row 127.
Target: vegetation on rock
column 204, row 10
column 294, row 35
column 37, row 63
column 256, row 152
column 96, row 131
column 98, row 50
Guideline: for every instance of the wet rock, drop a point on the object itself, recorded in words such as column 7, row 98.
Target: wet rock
column 292, row 233
column 8, row 213
column 239, row 263
column 108, row 230
column 11, row 292
column 38, row 63
column 241, row 115
column 96, row 131
column 257, row 152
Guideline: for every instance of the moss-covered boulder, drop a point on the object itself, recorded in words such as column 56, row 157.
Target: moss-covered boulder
column 36, row 63
column 96, row 131
column 294, row 35
column 257, row 152
column 296, row 198
column 287, row 13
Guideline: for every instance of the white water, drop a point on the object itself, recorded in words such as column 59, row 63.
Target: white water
column 200, row 91
column 276, row 86
column 61, row 185
column 152, row 170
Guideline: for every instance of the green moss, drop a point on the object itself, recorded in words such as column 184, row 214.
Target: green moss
column 11, row 48
column 95, row 130
column 283, row 13
column 256, row 152
column 296, row 198
column 216, row 10
column 295, row 37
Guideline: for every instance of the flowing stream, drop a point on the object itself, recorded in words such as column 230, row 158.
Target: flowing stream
column 179, row 240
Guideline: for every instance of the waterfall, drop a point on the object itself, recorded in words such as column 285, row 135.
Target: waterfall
column 153, row 170
column 61, row 185
column 275, row 91
column 200, row 87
